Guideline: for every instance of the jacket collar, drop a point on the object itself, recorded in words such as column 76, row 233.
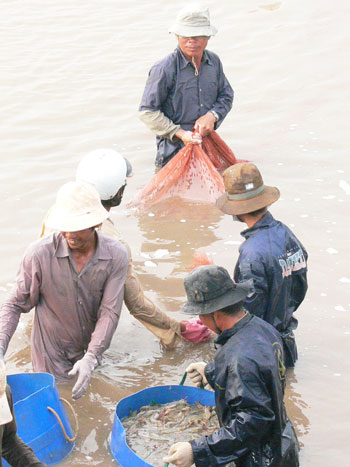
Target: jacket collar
column 228, row 333
column 266, row 221
column 62, row 249
column 184, row 62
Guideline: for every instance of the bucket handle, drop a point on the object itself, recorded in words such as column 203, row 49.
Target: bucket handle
column 71, row 440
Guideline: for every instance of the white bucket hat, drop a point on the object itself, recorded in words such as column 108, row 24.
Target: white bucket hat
column 5, row 412
column 192, row 21
column 78, row 207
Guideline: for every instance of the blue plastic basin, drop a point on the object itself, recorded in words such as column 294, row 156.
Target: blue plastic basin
column 159, row 394
column 33, row 393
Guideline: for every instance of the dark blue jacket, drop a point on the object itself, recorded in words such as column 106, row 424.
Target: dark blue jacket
column 247, row 375
column 173, row 88
column 274, row 259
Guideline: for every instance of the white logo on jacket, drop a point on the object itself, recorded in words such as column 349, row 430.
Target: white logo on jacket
column 293, row 263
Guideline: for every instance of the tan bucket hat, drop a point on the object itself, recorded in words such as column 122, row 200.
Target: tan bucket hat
column 78, row 207
column 192, row 21
column 5, row 412
column 245, row 190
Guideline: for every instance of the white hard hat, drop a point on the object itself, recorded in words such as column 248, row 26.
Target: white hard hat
column 78, row 207
column 106, row 170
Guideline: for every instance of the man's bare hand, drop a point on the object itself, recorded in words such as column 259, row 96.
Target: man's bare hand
column 205, row 124
column 188, row 137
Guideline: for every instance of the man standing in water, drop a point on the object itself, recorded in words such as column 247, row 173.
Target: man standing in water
column 247, row 375
column 75, row 280
column 186, row 91
column 107, row 171
column 271, row 257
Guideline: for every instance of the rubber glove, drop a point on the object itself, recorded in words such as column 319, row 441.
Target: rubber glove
column 196, row 372
column 83, row 368
column 180, row 454
column 196, row 331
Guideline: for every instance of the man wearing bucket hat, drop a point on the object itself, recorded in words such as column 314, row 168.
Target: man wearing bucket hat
column 12, row 448
column 75, row 280
column 107, row 170
column 271, row 257
column 186, row 91
column 247, row 375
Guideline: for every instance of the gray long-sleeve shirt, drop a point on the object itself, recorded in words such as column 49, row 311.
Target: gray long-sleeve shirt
column 74, row 312
column 174, row 91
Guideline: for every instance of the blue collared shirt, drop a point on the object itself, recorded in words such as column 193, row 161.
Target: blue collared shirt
column 174, row 89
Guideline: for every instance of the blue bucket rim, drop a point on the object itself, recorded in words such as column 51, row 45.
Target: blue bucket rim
column 122, row 433
column 50, row 384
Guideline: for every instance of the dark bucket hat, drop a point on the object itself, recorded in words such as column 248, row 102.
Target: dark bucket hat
column 210, row 288
column 245, row 190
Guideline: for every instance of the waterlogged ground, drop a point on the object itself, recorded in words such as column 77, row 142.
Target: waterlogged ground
column 72, row 78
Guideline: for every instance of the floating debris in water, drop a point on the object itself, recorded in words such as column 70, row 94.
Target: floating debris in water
column 160, row 253
column 154, row 428
column 332, row 251
column 344, row 186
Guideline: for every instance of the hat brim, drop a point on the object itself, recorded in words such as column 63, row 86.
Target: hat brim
column 243, row 206
column 231, row 297
column 58, row 219
column 192, row 31
column 5, row 412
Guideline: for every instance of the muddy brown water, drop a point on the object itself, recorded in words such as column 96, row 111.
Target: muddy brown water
column 72, row 76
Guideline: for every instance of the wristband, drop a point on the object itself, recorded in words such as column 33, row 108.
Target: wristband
column 215, row 115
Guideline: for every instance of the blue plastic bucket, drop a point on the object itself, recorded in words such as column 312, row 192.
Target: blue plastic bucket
column 159, row 394
column 35, row 397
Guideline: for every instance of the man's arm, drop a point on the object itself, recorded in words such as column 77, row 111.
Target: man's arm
column 251, row 268
column 250, row 417
column 14, row 450
column 23, row 298
column 156, row 92
column 111, row 305
column 224, row 100
column 107, row 321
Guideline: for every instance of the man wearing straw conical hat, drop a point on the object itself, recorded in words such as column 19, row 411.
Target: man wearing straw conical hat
column 12, row 448
column 271, row 257
column 75, row 281
column 107, row 170
column 188, row 89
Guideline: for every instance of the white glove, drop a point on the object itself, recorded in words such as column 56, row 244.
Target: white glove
column 180, row 454
column 196, row 372
column 84, row 368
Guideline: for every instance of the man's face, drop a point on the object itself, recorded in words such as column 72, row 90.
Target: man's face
column 81, row 239
column 193, row 46
column 208, row 322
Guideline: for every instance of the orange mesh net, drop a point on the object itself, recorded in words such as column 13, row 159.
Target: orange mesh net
column 200, row 258
column 191, row 174
column 218, row 152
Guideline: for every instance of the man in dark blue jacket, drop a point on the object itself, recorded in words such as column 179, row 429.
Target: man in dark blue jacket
column 271, row 257
column 188, row 89
column 247, row 375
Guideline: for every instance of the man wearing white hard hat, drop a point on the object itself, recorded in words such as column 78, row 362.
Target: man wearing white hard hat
column 186, row 91
column 12, row 448
column 74, row 279
column 107, row 170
